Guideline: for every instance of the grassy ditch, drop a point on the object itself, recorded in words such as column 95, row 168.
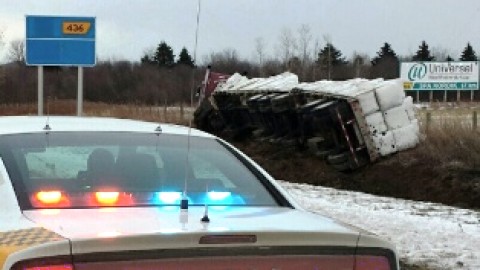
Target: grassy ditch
column 444, row 168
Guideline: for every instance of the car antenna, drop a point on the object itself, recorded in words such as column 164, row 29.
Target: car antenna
column 47, row 127
column 184, row 200
column 205, row 218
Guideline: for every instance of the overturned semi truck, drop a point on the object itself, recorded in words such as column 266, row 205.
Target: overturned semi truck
column 347, row 123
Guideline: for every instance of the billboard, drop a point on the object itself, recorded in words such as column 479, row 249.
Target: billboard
column 60, row 41
column 433, row 76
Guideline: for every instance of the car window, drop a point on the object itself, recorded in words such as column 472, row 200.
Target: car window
column 72, row 169
column 59, row 162
column 204, row 169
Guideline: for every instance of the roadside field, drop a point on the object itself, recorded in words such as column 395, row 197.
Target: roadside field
column 169, row 114
column 465, row 115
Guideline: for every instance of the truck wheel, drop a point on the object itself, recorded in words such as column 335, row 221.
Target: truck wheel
column 342, row 167
column 323, row 154
column 343, row 157
column 344, row 162
column 201, row 115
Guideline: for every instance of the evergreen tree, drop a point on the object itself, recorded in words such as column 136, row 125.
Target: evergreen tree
column 468, row 54
column 147, row 59
column 185, row 58
column 330, row 55
column 423, row 53
column 164, row 56
column 386, row 53
column 386, row 64
column 449, row 58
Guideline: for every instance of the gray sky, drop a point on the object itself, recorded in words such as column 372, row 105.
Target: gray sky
column 126, row 28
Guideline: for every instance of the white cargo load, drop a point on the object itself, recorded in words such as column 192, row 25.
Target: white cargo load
column 396, row 117
column 368, row 102
column 410, row 108
column 406, row 137
column 385, row 143
column 388, row 113
column 282, row 82
column 390, row 94
column 376, row 123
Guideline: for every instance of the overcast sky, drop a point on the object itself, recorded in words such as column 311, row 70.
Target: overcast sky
column 126, row 28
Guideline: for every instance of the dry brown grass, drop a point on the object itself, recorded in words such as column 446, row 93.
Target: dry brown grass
column 68, row 107
column 451, row 145
column 449, row 138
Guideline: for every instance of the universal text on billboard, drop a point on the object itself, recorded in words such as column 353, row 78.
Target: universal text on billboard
column 440, row 75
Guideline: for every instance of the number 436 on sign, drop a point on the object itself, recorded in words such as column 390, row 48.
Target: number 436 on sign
column 76, row 28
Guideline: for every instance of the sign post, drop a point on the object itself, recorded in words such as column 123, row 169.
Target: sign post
column 60, row 41
column 40, row 90
column 80, row 91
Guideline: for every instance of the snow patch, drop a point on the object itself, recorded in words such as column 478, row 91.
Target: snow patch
column 440, row 236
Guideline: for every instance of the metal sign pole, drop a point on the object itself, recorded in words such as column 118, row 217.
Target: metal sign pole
column 80, row 91
column 40, row 90
column 76, row 38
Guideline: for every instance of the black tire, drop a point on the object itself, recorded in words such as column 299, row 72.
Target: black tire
column 342, row 167
column 323, row 154
column 344, row 161
column 314, row 142
column 326, row 144
column 201, row 115
column 362, row 158
column 343, row 157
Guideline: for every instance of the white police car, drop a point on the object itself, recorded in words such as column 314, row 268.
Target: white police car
column 99, row 193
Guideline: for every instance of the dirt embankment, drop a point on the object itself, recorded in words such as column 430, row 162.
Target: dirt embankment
column 408, row 175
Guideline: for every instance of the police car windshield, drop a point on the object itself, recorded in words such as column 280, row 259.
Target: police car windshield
column 95, row 169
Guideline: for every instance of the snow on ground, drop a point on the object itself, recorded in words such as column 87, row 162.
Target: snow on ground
column 436, row 235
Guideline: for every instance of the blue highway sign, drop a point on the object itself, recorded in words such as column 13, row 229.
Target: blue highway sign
column 60, row 41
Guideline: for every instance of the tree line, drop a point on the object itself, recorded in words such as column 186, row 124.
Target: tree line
column 161, row 77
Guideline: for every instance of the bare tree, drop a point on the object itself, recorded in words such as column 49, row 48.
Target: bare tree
column 227, row 61
column 227, row 55
column 440, row 53
column 16, row 51
column 316, row 51
column 260, row 53
column 287, row 45
column 359, row 64
column 2, row 72
column 272, row 67
column 304, row 40
column 148, row 55
column 1, row 38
